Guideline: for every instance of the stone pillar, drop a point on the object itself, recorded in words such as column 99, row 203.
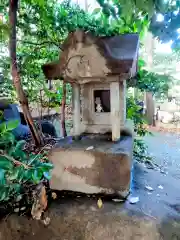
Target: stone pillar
column 115, row 110
column 76, row 109
column 122, row 91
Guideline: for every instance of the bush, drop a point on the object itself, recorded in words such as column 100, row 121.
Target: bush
column 18, row 170
column 133, row 112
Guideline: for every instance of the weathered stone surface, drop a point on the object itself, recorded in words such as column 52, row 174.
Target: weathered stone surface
column 106, row 168
column 87, row 58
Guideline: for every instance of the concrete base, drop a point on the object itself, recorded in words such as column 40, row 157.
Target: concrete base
column 92, row 165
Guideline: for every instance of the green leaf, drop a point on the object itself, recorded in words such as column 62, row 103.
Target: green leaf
column 19, row 154
column 4, row 193
column 1, row 115
column 9, row 137
column 10, row 125
column 14, row 174
column 46, row 166
column 141, row 63
column 96, row 11
column 2, row 176
column 47, row 175
column 15, row 189
column 20, row 144
column 21, row 174
column 27, row 175
column 2, row 127
column 37, row 175
column 5, row 163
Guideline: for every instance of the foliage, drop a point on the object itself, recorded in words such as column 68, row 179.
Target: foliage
column 133, row 112
column 152, row 82
column 140, row 148
column 6, row 85
column 140, row 151
column 41, row 30
column 167, row 30
column 43, row 26
column 4, row 29
column 38, row 43
column 133, row 7
column 18, row 170
column 55, row 98
column 138, row 23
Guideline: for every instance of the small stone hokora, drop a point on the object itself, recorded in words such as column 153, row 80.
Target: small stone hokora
column 99, row 107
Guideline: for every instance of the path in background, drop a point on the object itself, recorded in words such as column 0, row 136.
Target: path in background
column 165, row 180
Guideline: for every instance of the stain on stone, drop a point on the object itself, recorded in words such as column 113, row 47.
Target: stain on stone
column 107, row 166
column 119, row 52
column 108, row 171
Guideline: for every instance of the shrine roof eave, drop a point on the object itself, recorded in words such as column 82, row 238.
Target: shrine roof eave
column 52, row 71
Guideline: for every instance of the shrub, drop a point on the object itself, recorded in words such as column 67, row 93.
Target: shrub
column 18, row 170
column 140, row 148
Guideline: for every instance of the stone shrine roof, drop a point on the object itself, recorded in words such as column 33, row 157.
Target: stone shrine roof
column 86, row 58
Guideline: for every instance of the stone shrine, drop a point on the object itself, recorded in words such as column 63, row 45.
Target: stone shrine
column 97, row 158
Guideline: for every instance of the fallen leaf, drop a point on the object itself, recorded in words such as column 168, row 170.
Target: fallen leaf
column 99, row 203
column 16, row 210
column 149, row 188
column 89, row 148
column 117, row 200
column 19, row 197
column 54, row 195
column 133, row 200
column 46, row 221
column 23, row 208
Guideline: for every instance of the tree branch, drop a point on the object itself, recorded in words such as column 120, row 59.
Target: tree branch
column 40, row 44
column 16, row 162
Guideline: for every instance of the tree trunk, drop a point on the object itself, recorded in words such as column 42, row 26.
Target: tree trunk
column 149, row 101
column 63, row 107
column 13, row 6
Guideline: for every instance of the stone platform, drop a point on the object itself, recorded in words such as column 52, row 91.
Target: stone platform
column 93, row 164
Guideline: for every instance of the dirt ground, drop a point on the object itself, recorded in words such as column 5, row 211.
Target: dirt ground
column 84, row 221
column 155, row 216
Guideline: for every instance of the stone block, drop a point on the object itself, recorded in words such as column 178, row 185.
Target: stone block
column 93, row 165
